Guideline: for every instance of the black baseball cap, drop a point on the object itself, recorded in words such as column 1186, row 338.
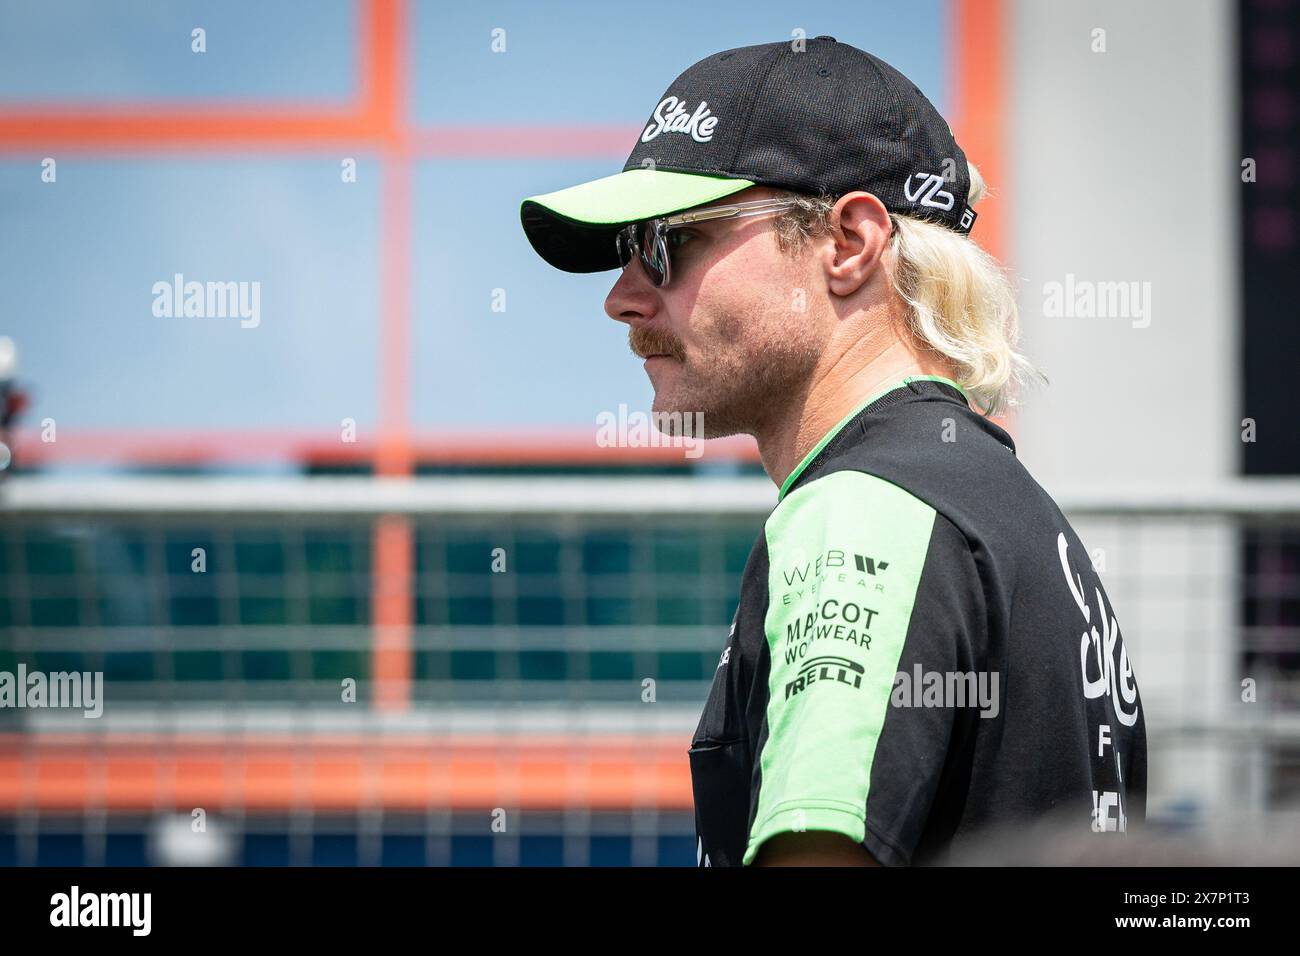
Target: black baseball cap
column 813, row 116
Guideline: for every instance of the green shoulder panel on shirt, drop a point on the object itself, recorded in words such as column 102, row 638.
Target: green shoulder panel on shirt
column 846, row 553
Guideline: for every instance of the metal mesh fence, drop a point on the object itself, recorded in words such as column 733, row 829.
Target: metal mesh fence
column 554, row 639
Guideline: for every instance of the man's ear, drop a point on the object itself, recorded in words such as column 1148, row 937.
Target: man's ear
column 859, row 235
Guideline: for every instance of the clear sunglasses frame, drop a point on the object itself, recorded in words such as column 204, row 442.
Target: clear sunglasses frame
column 653, row 250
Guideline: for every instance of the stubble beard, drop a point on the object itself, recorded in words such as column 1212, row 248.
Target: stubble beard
column 737, row 387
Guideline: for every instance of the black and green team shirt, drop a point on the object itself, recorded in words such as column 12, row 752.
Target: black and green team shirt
column 921, row 649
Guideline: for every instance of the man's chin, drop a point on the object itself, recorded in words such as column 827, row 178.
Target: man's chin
column 673, row 415
column 672, row 397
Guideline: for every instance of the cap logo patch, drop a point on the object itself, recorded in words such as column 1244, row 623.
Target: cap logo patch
column 670, row 116
column 928, row 191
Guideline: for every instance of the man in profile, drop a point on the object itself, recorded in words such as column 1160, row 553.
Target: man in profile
column 922, row 648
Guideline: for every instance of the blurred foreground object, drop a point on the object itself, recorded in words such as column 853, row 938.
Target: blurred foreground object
column 12, row 400
column 191, row 841
column 1273, row 840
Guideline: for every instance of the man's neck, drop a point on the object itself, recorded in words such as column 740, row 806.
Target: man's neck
column 834, row 393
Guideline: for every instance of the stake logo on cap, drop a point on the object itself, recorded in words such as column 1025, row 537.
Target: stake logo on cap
column 670, row 116
column 828, row 119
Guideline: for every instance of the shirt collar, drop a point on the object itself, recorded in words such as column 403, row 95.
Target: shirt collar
column 839, row 427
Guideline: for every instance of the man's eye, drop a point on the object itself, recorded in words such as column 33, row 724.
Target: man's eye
column 678, row 238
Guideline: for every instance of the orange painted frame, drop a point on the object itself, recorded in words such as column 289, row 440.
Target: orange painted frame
column 145, row 773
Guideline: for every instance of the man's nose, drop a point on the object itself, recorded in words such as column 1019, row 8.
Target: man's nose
column 633, row 297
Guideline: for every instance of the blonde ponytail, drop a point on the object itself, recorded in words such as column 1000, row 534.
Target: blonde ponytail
column 961, row 303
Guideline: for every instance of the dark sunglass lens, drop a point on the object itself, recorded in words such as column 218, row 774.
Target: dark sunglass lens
column 638, row 241
column 630, row 239
column 652, row 253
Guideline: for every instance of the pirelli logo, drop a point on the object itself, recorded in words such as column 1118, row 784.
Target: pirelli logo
column 837, row 670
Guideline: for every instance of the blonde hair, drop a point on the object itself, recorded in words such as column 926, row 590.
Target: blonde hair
column 960, row 301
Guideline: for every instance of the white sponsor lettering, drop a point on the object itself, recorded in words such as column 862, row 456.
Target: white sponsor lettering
column 670, row 116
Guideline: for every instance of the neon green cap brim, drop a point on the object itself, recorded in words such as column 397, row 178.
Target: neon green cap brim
column 573, row 229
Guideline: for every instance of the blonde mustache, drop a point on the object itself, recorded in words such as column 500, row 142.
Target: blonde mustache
column 645, row 342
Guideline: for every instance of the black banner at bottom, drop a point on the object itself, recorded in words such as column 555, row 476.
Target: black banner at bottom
column 535, row 905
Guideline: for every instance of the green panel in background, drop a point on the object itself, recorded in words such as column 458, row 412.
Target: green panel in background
column 607, row 552
column 612, row 665
column 198, row 666
column 194, row 611
column 542, row 611
column 543, row 665
column 338, row 665
column 332, row 607
column 265, row 665
column 676, row 551
column 470, row 610
column 535, row 553
column 55, row 612
column 178, row 552
column 685, row 665
column 473, row 665
column 47, row 551
column 129, row 666
column 609, row 612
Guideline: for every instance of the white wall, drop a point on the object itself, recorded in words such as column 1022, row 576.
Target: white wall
column 1122, row 168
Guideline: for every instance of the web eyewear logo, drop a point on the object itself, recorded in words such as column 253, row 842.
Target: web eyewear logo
column 869, row 565
column 670, row 116
column 803, row 569
column 928, row 191
column 839, row 670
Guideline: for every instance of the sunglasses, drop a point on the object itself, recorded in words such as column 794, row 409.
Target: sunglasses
column 648, row 240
